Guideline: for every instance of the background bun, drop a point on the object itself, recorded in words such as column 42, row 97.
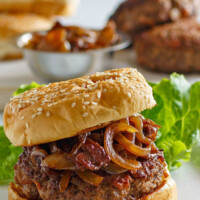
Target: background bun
column 13, row 24
column 42, row 7
column 166, row 192
column 64, row 109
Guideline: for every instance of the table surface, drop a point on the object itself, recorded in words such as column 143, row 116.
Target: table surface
column 18, row 72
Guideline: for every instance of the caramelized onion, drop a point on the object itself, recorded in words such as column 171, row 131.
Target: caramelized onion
column 116, row 158
column 132, row 148
column 147, row 141
column 90, row 177
column 37, row 152
column 64, row 182
column 58, row 161
column 136, row 122
column 112, row 168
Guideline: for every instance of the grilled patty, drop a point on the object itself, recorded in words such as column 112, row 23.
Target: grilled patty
column 171, row 47
column 37, row 181
column 135, row 16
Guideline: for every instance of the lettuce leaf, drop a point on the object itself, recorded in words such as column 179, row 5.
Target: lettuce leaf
column 8, row 158
column 178, row 112
column 9, row 154
column 26, row 87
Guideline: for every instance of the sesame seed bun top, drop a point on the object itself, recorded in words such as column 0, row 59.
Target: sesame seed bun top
column 64, row 109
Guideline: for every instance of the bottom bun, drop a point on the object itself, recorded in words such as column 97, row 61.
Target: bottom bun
column 166, row 192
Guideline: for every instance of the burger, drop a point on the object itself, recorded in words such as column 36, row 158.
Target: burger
column 86, row 139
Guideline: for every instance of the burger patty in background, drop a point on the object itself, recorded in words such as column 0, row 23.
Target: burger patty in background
column 171, row 47
column 80, row 143
column 134, row 16
column 36, row 180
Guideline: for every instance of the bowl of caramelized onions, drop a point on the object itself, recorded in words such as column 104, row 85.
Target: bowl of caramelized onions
column 66, row 52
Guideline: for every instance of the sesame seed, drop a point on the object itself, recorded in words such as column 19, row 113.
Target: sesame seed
column 39, row 109
column 99, row 94
column 104, row 90
column 94, row 103
column 22, row 118
column 27, row 125
column 39, row 113
column 63, row 90
column 129, row 94
column 115, row 107
column 19, row 105
column 84, row 107
column 141, row 92
column 75, row 91
column 73, row 104
column 86, row 95
column 83, row 85
column 48, row 114
column 13, row 110
column 85, row 114
column 33, row 116
column 86, row 102
column 96, row 86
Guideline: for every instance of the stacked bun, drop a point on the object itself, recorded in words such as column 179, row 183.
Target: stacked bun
column 21, row 16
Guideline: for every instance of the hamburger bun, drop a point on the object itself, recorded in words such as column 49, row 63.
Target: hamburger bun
column 42, row 7
column 167, row 191
column 65, row 109
column 14, row 24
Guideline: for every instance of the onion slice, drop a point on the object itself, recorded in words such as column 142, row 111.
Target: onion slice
column 132, row 148
column 89, row 177
column 64, row 182
column 58, row 161
column 136, row 122
column 116, row 158
column 112, row 168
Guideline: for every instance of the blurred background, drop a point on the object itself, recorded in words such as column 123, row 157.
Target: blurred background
column 94, row 14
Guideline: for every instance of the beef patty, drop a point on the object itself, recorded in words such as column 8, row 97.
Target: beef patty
column 38, row 182
column 135, row 16
column 171, row 47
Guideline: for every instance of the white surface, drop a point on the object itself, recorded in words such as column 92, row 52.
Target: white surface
column 94, row 13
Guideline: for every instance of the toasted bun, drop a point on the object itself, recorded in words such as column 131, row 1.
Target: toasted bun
column 64, row 109
column 166, row 192
column 42, row 7
column 13, row 24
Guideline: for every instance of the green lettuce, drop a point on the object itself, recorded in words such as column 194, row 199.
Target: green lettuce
column 9, row 154
column 8, row 157
column 26, row 87
column 178, row 112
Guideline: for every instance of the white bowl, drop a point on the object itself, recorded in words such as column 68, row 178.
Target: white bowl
column 57, row 66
